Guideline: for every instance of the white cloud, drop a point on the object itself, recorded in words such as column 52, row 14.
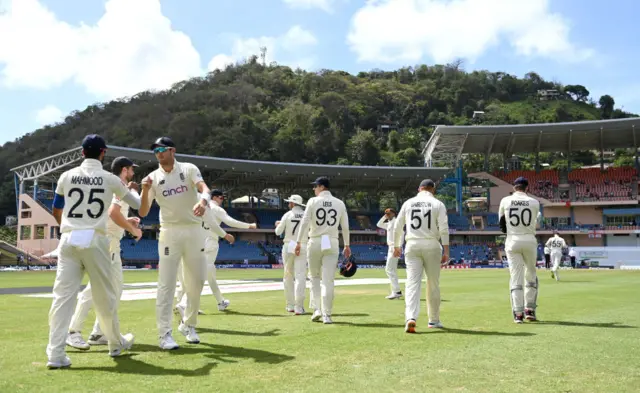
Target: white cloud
column 48, row 115
column 325, row 5
column 131, row 48
column 291, row 48
column 407, row 30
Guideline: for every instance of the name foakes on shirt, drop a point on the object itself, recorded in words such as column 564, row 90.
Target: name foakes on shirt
column 519, row 203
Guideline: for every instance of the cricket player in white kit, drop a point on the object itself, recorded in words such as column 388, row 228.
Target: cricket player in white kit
column 427, row 227
column 211, row 224
column 388, row 222
column 556, row 244
column 295, row 266
column 175, row 187
column 323, row 215
column 519, row 215
column 118, row 222
column 80, row 205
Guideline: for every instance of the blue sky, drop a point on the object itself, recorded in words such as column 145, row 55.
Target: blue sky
column 57, row 56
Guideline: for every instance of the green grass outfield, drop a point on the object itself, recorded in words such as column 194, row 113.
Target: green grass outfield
column 588, row 341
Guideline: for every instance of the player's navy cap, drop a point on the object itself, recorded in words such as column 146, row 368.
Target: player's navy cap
column 521, row 181
column 321, row 181
column 427, row 183
column 164, row 141
column 216, row 193
column 121, row 162
column 93, row 142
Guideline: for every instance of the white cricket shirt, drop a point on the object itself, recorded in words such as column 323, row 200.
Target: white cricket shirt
column 88, row 191
column 290, row 225
column 323, row 215
column 425, row 218
column 113, row 230
column 388, row 226
column 522, row 214
column 556, row 244
column 176, row 194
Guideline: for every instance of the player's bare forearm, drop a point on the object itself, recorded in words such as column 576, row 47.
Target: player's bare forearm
column 116, row 216
column 145, row 203
column 203, row 189
column 57, row 214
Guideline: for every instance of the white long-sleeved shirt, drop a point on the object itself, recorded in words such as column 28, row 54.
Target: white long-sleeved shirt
column 88, row 191
column 290, row 225
column 556, row 244
column 425, row 217
column 323, row 215
column 218, row 215
column 388, row 226
column 522, row 214
column 114, row 230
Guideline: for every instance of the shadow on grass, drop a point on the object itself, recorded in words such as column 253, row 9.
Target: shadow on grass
column 127, row 364
column 605, row 325
column 270, row 333
column 477, row 332
column 285, row 315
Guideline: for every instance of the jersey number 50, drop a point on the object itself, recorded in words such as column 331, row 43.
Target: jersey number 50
column 523, row 218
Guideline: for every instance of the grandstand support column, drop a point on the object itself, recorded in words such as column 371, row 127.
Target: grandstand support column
column 487, row 155
column 569, row 151
column 601, row 149
column 538, row 152
column 572, row 215
column 459, row 187
column 35, row 190
column 19, row 189
column 635, row 147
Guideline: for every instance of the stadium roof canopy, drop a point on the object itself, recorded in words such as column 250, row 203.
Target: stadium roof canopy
column 448, row 143
column 247, row 175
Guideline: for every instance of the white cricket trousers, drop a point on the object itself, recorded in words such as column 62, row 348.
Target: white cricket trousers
column 422, row 256
column 210, row 254
column 295, row 279
column 556, row 258
column 72, row 263
column 85, row 298
column 392, row 270
column 522, row 254
column 322, row 269
column 175, row 244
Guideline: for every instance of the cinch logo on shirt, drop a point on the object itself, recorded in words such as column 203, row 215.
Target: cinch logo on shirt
column 174, row 191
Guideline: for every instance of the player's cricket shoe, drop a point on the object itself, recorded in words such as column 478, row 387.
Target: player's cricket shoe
column 98, row 339
column 290, row 309
column 298, row 310
column 518, row 317
column 62, row 362
column 410, row 326
column 396, row 295
column 179, row 310
column 223, row 305
column 530, row 315
column 126, row 344
column 190, row 333
column 435, row 325
column 76, row 341
column 167, row 342
column 317, row 316
column 326, row 319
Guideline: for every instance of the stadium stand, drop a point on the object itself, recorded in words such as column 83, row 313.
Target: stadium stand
column 542, row 184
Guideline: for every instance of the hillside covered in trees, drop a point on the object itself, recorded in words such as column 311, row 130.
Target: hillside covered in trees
column 271, row 112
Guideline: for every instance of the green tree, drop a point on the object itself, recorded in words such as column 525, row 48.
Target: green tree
column 362, row 148
column 606, row 103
